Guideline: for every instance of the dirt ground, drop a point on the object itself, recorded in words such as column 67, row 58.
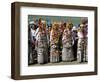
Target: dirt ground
column 59, row 63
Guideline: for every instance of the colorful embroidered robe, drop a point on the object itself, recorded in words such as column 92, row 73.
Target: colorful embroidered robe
column 67, row 53
column 54, row 50
column 42, row 48
column 82, row 47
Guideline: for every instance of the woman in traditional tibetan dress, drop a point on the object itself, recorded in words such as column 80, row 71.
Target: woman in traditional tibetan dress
column 67, row 52
column 85, row 33
column 54, row 39
column 62, row 25
column 82, row 45
column 42, row 47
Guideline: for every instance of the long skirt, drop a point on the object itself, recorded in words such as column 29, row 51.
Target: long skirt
column 67, row 54
column 85, row 50
column 54, row 55
column 42, row 56
column 82, row 50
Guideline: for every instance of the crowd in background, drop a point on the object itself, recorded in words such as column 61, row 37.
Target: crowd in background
column 57, row 42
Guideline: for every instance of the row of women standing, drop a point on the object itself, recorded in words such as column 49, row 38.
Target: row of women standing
column 62, row 42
